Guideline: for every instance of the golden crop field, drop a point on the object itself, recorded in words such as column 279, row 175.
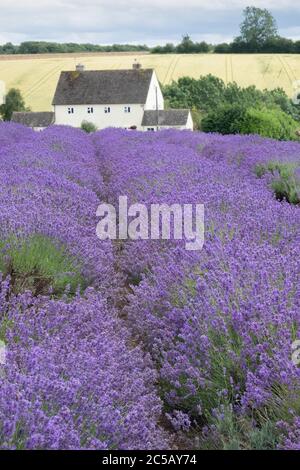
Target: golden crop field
column 36, row 77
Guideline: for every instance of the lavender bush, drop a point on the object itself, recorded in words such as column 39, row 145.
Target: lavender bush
column 71, row 381
column 220, row 323
column 165, row 348
column 71, row 378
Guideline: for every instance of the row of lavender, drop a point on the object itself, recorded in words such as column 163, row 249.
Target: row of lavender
column 220, row 323
column 215, row 327
column 70, row 375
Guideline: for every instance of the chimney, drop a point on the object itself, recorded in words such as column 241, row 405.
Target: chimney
column 136, row 65
column 80, row 68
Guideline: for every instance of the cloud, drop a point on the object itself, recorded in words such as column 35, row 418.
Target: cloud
column 137, row 21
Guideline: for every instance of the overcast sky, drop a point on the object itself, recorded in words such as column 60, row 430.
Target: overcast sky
column 135, row 21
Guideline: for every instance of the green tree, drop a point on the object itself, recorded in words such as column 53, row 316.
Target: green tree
column 258, row 27
column 222, row 48
column 186, row 45
column 168, row 48
column 13, row 102
column 225, row 119
column 175, row 96
column 203, row 94
column 9, row 48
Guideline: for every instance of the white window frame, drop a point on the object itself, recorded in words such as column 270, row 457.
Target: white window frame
column 107, row 109
column 90, row 110
column 70, row 110
column 127, row 109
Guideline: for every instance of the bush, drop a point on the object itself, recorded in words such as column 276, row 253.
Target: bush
column 225, row 119
column 73, row 379
column 269, row 123
column 88, row 127
column 38, row 264
column 285, row 185
column 237, row 119
column 226, row 431
column 197, row 119
column 210, row 92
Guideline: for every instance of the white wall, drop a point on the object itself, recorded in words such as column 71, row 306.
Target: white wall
column 151, row 98
column 162, row 128
column 189, row 125
column 116, row 118
column 2, row 92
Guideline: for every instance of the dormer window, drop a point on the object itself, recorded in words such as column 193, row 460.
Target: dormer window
column 107, row 109
column 90, row 110
column 127, row 109
column 70, row 110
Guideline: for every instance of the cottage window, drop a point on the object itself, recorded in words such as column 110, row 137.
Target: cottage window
column 150, row 129
column 70, row 110
column 90, row 110
column 127, row 109
column 107, row 109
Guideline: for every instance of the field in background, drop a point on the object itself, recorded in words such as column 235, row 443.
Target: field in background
column 36, row 76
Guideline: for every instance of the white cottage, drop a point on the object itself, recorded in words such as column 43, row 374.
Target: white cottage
column 130, row 99
column 106, row 98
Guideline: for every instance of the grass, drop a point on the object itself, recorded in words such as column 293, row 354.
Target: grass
column 218, row 426
column 232, row 432
column 259, row 431
column 285, row 184
column 39, row 265
column 37, row 76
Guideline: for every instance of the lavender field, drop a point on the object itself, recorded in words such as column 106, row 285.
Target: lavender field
column 142, row 344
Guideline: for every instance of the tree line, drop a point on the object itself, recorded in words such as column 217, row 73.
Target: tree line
column 231, row 109
column 258, row 34
column 44, row 47
column 273, row 45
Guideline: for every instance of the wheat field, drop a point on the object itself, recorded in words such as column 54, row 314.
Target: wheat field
column 36, row 76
